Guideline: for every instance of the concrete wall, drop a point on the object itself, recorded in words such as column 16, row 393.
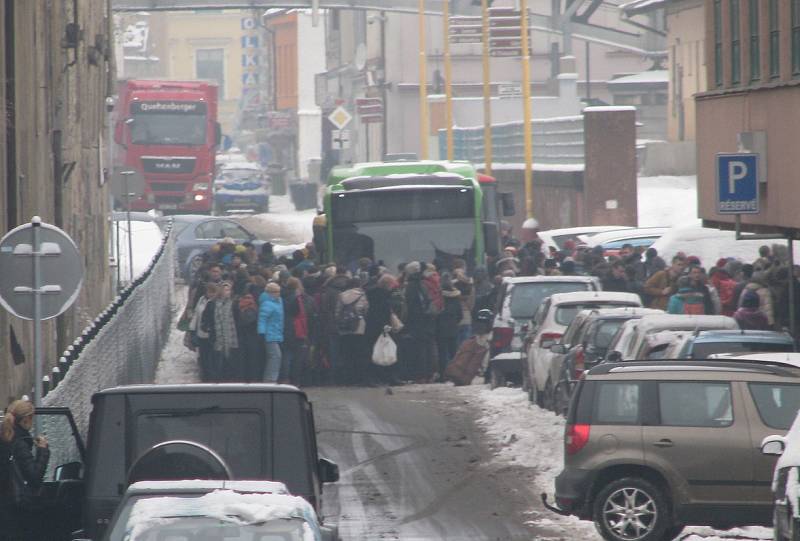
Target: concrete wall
column 609, row 182
column 54, row 118
column 665, row 158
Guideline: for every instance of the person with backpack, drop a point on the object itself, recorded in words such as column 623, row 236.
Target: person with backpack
column 200, row 335
column 687, row 300
column 19, row 521
column 697, row 275
column 351, row 310
column 749, row 316
column 333, row 286
column 270, row 327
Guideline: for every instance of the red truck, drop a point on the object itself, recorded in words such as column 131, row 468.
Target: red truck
column 167, row 135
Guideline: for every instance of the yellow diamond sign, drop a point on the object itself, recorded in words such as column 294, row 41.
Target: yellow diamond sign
column 340, row 117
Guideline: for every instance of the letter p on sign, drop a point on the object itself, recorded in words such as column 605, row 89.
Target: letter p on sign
column 736, row 171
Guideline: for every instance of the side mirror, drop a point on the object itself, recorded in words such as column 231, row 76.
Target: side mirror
column 328, row 471
column 558, row 349
column 491, row 239
column 773, row 445
column 614, row 357
column 507, row 202
column 71, row 470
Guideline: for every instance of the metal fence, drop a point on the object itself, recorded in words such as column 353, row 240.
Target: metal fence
column 123, row 344
column 555, row 141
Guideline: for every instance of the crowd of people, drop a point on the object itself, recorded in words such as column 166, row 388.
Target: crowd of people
column 255, row 317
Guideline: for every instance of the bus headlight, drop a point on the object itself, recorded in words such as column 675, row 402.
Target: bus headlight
column 199, row 197
column 200, row 186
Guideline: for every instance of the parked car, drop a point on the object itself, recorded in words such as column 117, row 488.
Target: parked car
column 636, row 346
column 202, row 509
column 652, row 446
column 662, row 345
column 260, row 431
column 240, row 186
column 613, row 241
column 552, row 318
column 557, row 237
column 585, row 343
column 518, row 300
column 702, row 344
column 195, row 234
column 785, row 480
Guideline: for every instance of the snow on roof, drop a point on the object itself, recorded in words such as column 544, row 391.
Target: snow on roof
column 271, row 487
column 644, row 77
column 241, row 165
column 599, row 108
column 222, row 504
column 555, row 167
column 595, row 296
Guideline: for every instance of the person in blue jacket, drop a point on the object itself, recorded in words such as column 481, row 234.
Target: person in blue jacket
column 270, row 326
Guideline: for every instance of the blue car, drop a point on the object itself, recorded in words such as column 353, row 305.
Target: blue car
column 240, row 186
column 702, row 344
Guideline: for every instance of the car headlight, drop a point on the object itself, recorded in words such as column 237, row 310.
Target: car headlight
column 202, row 186
column 199, row 197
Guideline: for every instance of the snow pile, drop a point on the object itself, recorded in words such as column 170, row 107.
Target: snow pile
column 147, row 237
column 666, row 200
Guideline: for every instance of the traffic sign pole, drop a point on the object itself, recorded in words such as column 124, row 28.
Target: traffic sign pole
column 526, row 99
column 36, row 224
column 448, row 79
column 423, row 85
column 487, row 92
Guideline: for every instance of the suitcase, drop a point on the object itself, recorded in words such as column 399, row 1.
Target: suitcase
column 467, row 362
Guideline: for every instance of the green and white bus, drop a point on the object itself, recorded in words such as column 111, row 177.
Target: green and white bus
column 396, row 212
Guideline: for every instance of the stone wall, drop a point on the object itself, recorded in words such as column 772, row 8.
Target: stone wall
column 56, row 64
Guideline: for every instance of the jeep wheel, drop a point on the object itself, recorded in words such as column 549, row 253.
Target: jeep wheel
column 497, row 378
column 631, row 509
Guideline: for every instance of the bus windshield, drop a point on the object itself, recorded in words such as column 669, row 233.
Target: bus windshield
column 397, row 226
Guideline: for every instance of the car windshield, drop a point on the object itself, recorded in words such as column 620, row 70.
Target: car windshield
column 239, row 174
column 567, row 312
column 204, row 528
column 704, row 349
column 526, row 298
column 168, row 129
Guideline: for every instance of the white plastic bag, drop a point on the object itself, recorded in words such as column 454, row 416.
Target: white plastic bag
column 385, row 351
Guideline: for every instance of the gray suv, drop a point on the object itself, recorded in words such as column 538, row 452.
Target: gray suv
column 653, row 446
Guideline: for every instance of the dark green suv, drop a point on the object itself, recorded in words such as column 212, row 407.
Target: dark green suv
column 653, row 446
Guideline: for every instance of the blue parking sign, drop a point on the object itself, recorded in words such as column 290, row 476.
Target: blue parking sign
column 737, row 184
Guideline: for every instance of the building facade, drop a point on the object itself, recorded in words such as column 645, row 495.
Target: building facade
column 57, row 65
column 753, row 73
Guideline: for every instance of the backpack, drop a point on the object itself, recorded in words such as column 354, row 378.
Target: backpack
column 349, row 319
column 694, row 308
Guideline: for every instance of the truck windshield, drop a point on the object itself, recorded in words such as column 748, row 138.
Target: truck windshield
column 168, row 129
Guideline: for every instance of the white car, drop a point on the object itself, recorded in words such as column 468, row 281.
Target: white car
column 553, row 317
column 206, row 509
column 613, row 241
column 518, row 300
column 557, row 237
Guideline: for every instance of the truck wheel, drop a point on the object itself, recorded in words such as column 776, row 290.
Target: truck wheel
column 631, row 509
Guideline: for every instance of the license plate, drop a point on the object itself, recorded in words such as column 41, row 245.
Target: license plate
column 168, row 206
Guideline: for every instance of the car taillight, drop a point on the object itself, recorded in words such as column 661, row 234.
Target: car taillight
column 551, row 337
column 580, row 363
column 501, row 338
column 576, row 437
